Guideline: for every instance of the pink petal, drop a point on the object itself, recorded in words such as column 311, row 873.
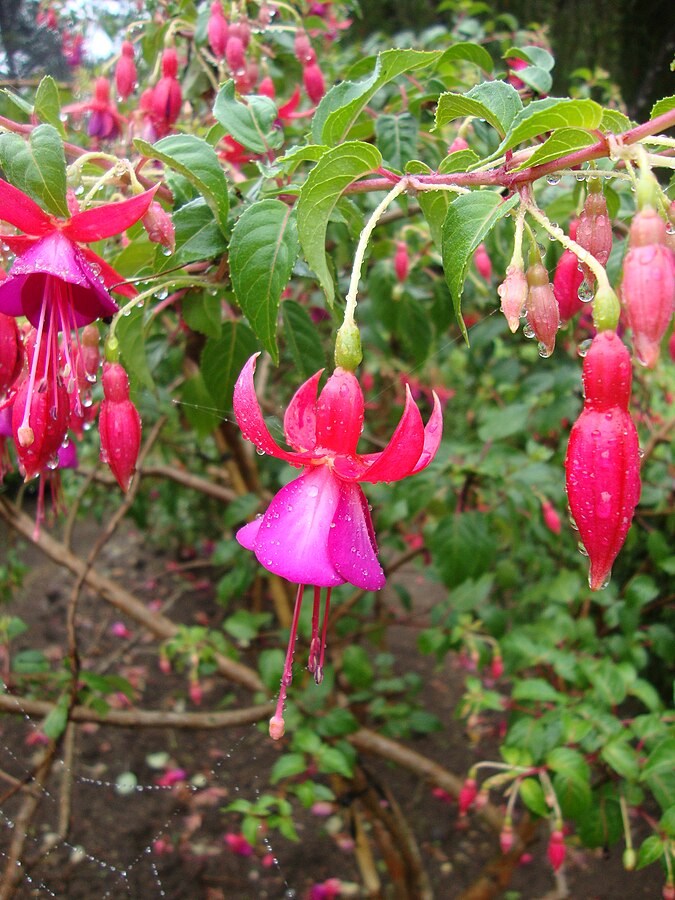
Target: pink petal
column 401, row 454
column 300, row 417
column 339, row 414
column 250, row 419
column 433, row 433
column 351, row 541
column 22, row 212
column 111, row 277
column 108, row 220
column 292, row 536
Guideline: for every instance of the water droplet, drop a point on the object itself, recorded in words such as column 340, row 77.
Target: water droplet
column 670, row 228
column 126, row 313
column 166, row 251
column 585, row 292
column 312, row 490
column 162, row 295
column 260, row 451
column 641, row 452
column 53, row 463
column 584, row 347
column 528, row 331
column 543, row 350
column 582, row 549
column 580, row 176
column 86, row 399
column 554, row 178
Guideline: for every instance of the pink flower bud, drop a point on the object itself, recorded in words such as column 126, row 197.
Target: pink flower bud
column 217, row 30
column 266, row 88
column 506, row 838
column 513, row 293
column 167, row 96
column 668, row 892
column 169, row 63
column 235, row 54
column 567, row 281
column 648, row 286
column 239, row 844
column 38, row 440
column 497, row 666
column 551, row 517
column 483, row 263
column 467, row 795
column 556, row 850
column 304, row 52
column 159, row 226
column 315, row 86
column 125, row 71
column 603, row 463
column 119, row 426
column 11, row 352
column 401, row 261
column 242, row 30
column 277, row 728
column 195, row 692
column 594, row 231
column 459, row 143
column 543, row 317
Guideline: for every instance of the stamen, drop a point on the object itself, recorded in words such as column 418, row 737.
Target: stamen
column 25, row 432
column 314, row 645
column 277, row 724
column 318, row 675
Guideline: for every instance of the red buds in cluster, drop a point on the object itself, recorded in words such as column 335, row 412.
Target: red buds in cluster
column 556, row 849
column 513, row 293
column 119, row 425
column 401, row 261
column 125, row 71
column 648, row 285
column 567, row 281
column 543, row 316
column 167, row 95
column 603, row 461
column 217, row 30
column 594, row 230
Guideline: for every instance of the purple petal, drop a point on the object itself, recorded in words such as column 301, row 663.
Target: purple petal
column 55, row 265
column 351, row 542
column 291, row 539
column 300, row 417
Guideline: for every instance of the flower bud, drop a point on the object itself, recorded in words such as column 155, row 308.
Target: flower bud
column 266, row 88
column 551, row 517
column 483, row 262
column 629, row 859
column 167, row 95
column 648, row 285
column 11, row 352
column 567, row 281
column 125, row 71
column 556, row 850
column 542, row 309
column 606, row 309
column 401, row 261
column 594, row 231
column 235, row 54
column 506, row 838
column 159, row 226
column 497, row 666
column 313, row 80
column 513, row 293
column 304, row 52
column 467, row 795
column 217, row 30
column 348, row 352
column 119, row 425
column 277, row 728
column 459, row 143
column 603, row 463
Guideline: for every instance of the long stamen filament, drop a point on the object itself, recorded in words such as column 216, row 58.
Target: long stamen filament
column 277, row 724
column 25, row 432
column 318, row 676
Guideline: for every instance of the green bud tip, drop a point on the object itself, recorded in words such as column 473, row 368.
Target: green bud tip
column 606, row 310
column 647, row 190
column 111, row 350
column 348, row 353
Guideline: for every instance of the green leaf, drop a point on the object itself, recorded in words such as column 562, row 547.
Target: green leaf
column 330, row 760
column 601, row 825
column 263, row 251
column 197, row 406
column 251, row 122
column 621, row 757
column 287, row 766
column 497, row 424
column 301, row 338
column 614, row 121
column 336, row 723
column 532, row 795
column 198, row 235
column 202, row 312
column 57, row 719
column 48, row 104
column 396, row 138
column 563, row 141
column 37, row 166
column 223, row 358
column 651, row 850
column 536, row 689
column 469, row 219
column 606, row 679
column 343, row 103
column 568, row 762
column 495, row 101
column 414, row 330
column 357, row 668
column 129, row 332
column 662, row 106
column 473, row 53
column 535, row 55
column 29, row 662
column 536, row 78
column 661, row 759
column 270, row 666
column 463, row 546
column 548, row 115
column 336, row 170
column 199, row 163
column 574, row 796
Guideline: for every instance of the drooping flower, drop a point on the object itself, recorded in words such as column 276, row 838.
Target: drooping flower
column 513, row 294
column 104, row 120
column 543, row 317
column 58, row 286
column 317, row 530
column 167, row 95
column 217, row 30
column 119, row 425
column 594, row 229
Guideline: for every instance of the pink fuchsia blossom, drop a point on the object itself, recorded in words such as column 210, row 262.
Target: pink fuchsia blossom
column 556, row 849
column 125, row 71
column 217, row 30
column 104, row 120
column 238, row 844
column 317, row 530
column 167, row 95
column 119, row 426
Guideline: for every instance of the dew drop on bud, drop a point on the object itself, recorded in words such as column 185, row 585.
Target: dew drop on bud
column 582, row 549
column 543, row 350
column 584, row 347
column 528, row 331
column 585, row 292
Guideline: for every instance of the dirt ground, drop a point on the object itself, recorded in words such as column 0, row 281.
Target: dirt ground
column 159, row 840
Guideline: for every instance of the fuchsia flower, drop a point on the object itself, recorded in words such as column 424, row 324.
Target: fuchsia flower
column 126, row 76
column 318, row 530
column 104, row 120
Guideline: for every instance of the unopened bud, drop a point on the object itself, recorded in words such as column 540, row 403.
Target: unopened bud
column 348, row 352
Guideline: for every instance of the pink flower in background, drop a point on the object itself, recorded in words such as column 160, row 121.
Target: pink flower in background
column 238, row 844
column 318, row 530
